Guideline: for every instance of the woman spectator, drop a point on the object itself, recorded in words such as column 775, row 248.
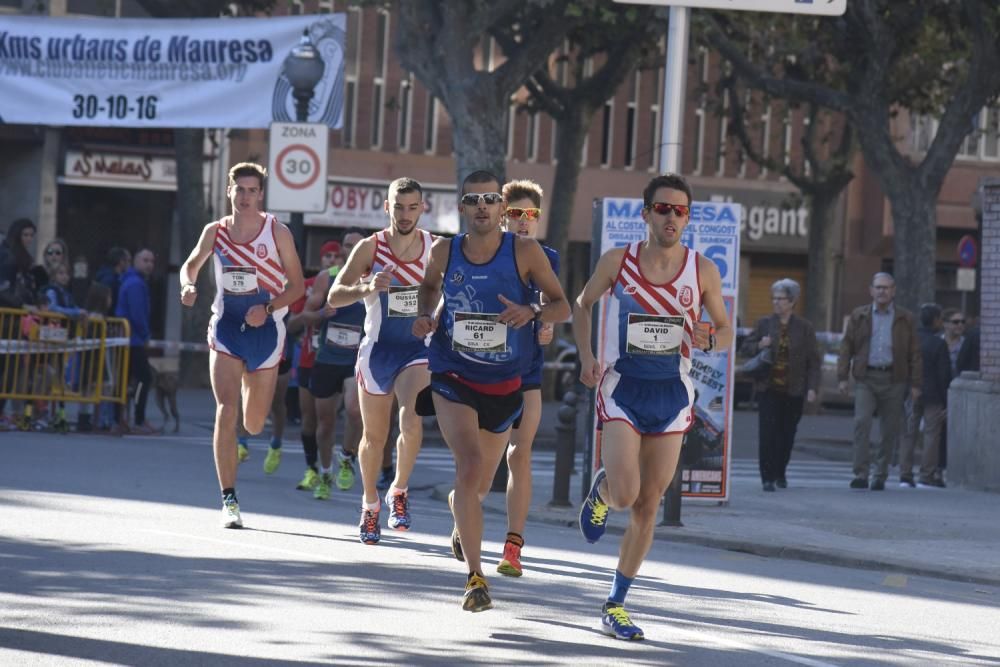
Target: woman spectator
column 18, row 287
column 793, row 377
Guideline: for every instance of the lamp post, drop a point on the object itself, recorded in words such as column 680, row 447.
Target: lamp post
column 303, row 68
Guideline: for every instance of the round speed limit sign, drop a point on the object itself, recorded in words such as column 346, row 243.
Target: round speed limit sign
column 298, row 163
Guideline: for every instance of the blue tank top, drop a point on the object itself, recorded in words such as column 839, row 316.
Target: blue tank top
column 340, row 335
column 537, row 358
column 469, row 341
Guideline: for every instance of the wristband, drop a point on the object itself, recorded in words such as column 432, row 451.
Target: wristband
column 430, row 317
column 191, row 285
column 269, row 308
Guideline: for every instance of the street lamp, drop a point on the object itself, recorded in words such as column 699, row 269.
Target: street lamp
column 304, row 69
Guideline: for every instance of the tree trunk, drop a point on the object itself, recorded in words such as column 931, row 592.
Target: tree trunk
column 191, row 213
column 478, row 129
column 571, row 135
column 823, row 233
column 914, row 240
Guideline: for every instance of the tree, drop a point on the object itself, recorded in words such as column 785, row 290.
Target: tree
column 620, row 38
column 938, row 57
column 189, row 150
column 437, row 41
column 821, row 176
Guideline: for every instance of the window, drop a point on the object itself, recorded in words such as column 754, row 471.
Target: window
column 405, row 101
column 720, row 153
column 656, row 124
column 378, row 83
column 430, row 125
column 351, row 61
column 531, row 149
column 765, row 137
column 607, row 118
column 786, row 140
column 981, row 143
column 630, row 111
column 510, row 124
column 701, row 111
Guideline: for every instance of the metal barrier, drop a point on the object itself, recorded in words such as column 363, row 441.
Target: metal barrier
column 50, row 357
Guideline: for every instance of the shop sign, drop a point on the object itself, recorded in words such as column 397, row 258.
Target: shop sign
column 119, row 170
column 362, row 204
column 771, row 221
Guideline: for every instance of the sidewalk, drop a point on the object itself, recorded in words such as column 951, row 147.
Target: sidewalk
column 946, row 533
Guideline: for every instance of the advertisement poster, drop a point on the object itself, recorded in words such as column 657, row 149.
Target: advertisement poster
column 224, row 72
column 713, row 231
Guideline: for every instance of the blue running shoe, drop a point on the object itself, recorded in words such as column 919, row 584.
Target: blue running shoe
column 616, row 623
column 370, row 530
column 399, row 511
column 594, row 512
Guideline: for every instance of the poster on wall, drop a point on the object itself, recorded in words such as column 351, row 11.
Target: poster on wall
column 713, row 231
column 221, row 72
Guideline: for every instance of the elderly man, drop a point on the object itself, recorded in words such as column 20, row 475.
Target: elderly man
column 881, row 352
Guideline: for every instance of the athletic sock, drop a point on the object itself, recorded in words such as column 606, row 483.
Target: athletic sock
column 229, row 493
column 515, row 539
column 371, row 507
column 619, row 588
column 311, row 449
column 394, row 490
column 275, row 443
column 326, row 471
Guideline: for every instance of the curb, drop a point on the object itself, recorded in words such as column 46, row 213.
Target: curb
column 805, row 554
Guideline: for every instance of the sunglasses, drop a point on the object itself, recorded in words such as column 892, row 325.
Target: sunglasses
column 524, row 213
column 53, row 251
column 473, row 199
column 663, row 208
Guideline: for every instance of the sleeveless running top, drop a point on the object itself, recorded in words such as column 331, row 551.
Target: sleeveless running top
column 390, row 315
column 651, row 326
column 246, row 274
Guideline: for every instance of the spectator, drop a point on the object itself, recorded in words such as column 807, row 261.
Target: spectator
column 881, row 352
column 929, row 409
column 968, row 355
column 954, row 335
column 92, row 376
column 133, row 305
column 56, row 253
column 18, row 283
column 58, row 298
column 793, row 378
column 117, row 262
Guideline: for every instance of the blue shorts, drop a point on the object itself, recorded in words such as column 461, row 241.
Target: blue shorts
column 380, row 363
column 650, row 407
column 259, row 348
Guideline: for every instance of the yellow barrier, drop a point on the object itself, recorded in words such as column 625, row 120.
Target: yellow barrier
column 47, row 356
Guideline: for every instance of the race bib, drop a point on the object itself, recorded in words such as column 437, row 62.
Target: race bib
column 343, row 335
column 239, row 280
column 478, row 332
column 654, row 334
column 402, row 300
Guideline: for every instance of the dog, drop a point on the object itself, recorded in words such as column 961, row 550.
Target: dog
column 165, row 386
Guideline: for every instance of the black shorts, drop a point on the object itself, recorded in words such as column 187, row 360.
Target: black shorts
column 302, row 375
column 524, row 388
column 496, row 413
column 328, row 379
column 284, row 366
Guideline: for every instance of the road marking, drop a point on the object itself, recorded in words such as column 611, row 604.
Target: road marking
column 699, row 636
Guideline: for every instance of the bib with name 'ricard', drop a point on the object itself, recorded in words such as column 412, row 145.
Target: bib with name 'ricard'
column 246, row 274
column 469, row 340
column 651, row 325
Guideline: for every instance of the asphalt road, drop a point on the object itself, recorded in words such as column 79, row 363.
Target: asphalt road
column 110, row 553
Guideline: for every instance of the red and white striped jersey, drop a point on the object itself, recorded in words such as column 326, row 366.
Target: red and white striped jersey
column 246, row 274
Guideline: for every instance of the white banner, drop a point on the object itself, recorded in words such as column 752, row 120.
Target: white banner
column 713, row 231
column 225, row 72
column 361, row 204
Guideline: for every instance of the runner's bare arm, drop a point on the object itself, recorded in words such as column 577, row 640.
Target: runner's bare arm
column 347, row 287
column 429, row 294
column 316, row 308
column 294, row 282
column 192, row 266
column 600, row 282
column 711, row 299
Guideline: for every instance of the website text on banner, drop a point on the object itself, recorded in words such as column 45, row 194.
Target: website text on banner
column 714, row 231
column 163, row 73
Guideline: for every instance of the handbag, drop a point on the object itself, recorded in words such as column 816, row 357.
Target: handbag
column 758, row 366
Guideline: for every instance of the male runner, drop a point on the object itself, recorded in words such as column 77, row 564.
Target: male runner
column 524, row 200
column 484, row 278
column 644, row 396
column 385, row 270
column 258, row 275
column 306, row 322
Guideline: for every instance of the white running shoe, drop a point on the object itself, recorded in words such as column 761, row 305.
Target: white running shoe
column 231, row 515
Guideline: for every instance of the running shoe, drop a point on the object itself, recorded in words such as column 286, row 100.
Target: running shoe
column 309, row 481
column 477, row 594
column 322, row 490
column 456, row 543
column 345, row 476
column 399, row 511
column 371, row 532
column 242, row 452
column 272, row 460
column 385, row 479
column 594, row 511
column 616, row 623
column 511, row 563
column 231, row 514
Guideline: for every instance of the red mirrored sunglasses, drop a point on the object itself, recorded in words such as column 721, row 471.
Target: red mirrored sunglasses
column 663, row 208
column 524, row 213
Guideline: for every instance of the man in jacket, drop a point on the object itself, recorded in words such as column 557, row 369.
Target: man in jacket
column 881, row 352
column 929, row 411
column 133, row 305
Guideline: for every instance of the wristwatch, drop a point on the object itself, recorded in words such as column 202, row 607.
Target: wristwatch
column 269, row 308
column 537, row 309
column 711, row 342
